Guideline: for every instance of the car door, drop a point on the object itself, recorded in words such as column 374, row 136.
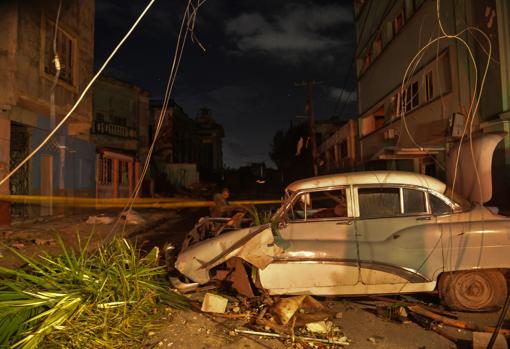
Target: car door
column 319, row 229
column 392, row 233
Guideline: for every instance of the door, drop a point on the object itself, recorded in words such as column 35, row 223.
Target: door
column 393, row 234
column 47, row 184
column 319, row 229
column 19, row 182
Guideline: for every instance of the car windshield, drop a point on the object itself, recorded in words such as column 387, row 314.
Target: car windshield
column 286, row 200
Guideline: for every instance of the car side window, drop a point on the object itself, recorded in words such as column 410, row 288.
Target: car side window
column 438, row 206
column 414, row 201
column 319, row 204
column 378, row 202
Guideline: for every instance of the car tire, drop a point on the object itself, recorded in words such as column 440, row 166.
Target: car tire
column 479, row 290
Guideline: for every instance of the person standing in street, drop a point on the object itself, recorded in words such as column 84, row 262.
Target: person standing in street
column 221, row 207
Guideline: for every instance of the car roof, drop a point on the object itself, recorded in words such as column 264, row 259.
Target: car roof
column 369, row 177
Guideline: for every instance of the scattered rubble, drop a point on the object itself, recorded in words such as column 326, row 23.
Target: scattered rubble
column 319, row 326
column 305, row 320
column 18, row 245
column 132, row 217
column 49, row 242
column 214, row 304
column 100, row 220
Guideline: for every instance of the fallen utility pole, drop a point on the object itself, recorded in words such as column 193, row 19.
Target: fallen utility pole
column 311, row 119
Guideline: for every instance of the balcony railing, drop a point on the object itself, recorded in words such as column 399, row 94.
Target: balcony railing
column 105, row 128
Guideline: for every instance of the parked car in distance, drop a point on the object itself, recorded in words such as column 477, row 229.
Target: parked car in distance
column 363, row 233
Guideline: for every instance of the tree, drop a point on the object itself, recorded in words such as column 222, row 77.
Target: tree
column 284, row 152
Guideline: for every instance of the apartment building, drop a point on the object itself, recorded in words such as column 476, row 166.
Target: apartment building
column 412, row 125
column 33, row 100
column 120, row 131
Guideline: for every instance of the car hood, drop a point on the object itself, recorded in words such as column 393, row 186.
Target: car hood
column 255, row 245
column 481, row 150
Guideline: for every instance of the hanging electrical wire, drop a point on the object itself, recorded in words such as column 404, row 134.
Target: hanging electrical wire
column 81, row 96
column 187, row 27
column 470, row 116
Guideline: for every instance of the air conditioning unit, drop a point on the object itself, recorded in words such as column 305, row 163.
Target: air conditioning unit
column 390, row 133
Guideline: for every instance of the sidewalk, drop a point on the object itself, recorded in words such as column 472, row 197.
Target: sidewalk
column 32, row 236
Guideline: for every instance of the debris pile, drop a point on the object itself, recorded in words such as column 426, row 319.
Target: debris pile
column 304, row 322
column 300, row 320
column 435, row 319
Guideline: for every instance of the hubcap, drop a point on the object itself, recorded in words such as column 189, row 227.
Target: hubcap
column 473, row 290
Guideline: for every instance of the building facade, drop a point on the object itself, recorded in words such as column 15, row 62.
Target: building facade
column 120, row 131
column 33, row 98
column 338, row 152
column 411, row 125
column 210, row 138
column 174, row 162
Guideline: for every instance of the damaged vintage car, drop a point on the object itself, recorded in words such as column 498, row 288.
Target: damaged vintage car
column 362, row 233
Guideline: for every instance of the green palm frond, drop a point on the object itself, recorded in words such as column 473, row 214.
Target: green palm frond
column 82, row 300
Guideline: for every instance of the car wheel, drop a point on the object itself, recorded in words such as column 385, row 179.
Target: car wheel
column 473, row 290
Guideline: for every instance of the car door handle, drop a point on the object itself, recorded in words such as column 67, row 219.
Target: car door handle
column 423, row 218
column 344, row 223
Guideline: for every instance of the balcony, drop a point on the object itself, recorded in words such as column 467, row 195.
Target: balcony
column 109, row 129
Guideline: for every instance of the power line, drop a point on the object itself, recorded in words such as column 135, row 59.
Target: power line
column 309, row 84
column 82, row 95
column 189, row 18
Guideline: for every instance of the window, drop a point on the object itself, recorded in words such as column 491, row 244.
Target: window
column 408, row 8
column 411, row 97
column 377, row 45
column 120, row 121
column 343, row 149
column 379, row 202
column 379, row 121
column 319, row 204
column 414, row 201
column 429, row 87
column 104, row 170
column 123, row 172
column 65, row 47
column 438, row 206
column 395, row 100
column 398, row 22
column 367, row 61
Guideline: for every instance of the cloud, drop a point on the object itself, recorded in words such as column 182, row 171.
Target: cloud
column 345, row 95
column 291, row 36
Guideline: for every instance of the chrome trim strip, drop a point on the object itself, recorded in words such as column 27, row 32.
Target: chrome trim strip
column 409, row 274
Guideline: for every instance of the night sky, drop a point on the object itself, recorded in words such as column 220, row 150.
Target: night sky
column 256, row 50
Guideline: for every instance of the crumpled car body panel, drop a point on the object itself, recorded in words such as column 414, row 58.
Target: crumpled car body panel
column 255, row 245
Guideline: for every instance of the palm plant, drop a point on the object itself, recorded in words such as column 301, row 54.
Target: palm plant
column 257, row 217
column 82, row 300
